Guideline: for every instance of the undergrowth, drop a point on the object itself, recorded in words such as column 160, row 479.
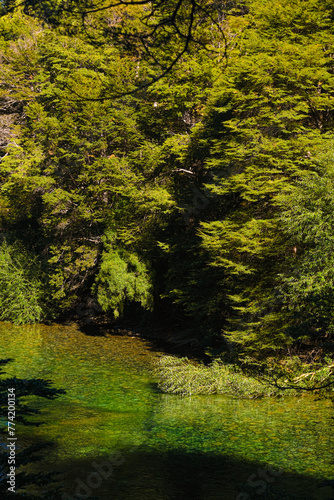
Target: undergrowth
column 21, row 290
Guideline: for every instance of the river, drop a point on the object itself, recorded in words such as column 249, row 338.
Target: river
column 115, row 436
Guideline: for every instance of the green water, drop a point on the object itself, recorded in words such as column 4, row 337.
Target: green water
column 169, row 447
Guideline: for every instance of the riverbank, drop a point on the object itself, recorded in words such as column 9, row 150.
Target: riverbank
column 185, row 368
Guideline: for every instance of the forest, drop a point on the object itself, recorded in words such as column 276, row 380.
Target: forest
column 171, row 163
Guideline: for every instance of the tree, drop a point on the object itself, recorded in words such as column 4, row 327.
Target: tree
column 271, row 113
column 306, row 283
column 77, row 169
column 174, row 189
column 174, row 25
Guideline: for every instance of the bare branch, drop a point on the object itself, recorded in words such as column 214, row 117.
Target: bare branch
column 183, row 170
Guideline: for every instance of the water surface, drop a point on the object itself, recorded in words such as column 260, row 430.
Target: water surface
column 164, row 446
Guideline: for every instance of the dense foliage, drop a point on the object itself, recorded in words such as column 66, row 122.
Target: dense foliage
column 185, row 169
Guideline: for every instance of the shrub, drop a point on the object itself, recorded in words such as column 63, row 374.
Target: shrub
column 20, row 287
column 180, row 376
column 183, row 377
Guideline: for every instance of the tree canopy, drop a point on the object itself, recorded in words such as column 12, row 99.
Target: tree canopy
column 174, row 157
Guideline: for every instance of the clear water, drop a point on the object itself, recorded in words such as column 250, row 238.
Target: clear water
column 162, row 446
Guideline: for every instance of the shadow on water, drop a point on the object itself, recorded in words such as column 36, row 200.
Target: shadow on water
column 183, row 343
column 143, row 474
column 31, row 479
column 16, row 455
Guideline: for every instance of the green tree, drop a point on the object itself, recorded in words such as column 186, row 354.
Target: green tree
column 122, row 276
column 271, row 112
column 77, row 168
column 143, row 27
column 306, row 283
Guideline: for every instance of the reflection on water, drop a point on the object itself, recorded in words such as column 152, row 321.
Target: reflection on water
column 172, row 447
